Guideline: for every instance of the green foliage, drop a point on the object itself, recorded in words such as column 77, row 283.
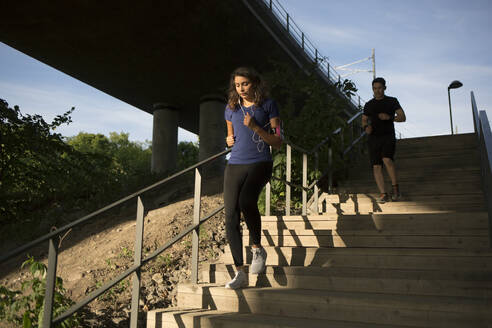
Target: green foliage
column 187, row 154
column 165, row 260
column 310, row 111
column 25, row 307
column 44, row 177
column 32, row 159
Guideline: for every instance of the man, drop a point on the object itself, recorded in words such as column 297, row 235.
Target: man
column 377, row 121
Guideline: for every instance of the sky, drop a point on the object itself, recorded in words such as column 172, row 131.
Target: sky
column 421, row 46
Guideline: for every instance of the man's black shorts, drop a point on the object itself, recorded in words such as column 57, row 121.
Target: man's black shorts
column 381, row 146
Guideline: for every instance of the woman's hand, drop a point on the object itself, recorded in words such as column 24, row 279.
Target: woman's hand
column 230, row 141
column 249, row 122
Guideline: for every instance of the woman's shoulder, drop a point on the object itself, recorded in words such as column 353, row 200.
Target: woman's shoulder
column 269, row 103
column 229, row 108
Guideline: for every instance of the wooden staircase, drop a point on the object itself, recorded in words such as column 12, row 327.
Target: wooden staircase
column 425, row 261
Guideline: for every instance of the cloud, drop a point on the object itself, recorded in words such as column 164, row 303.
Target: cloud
column 320, row 33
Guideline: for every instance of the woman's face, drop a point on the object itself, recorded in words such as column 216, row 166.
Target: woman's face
column 243, row 87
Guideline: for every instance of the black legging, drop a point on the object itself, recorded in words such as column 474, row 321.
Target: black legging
column 242, row 186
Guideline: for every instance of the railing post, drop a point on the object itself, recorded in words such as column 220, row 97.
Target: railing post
column 316, row 166
column 287, row 177
column 271, row 5
column 268, row 191
column 304, row 183
column 330, row 169
column 50, row 284
column 302, row 38
column 316, row 56
column 196, row 220
column 328, row 69
column 139, row 228
column 342, row 139
column 287, row 22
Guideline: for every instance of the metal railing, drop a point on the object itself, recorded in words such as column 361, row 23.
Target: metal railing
column 135, row 269
column 315, row 151
column 311, row 51
column 48, row 320
column 484, row 140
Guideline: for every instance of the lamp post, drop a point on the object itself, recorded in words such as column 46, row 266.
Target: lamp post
column 454, row 85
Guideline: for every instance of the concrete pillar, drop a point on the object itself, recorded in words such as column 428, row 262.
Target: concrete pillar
column 164, row 138
column 212, row 132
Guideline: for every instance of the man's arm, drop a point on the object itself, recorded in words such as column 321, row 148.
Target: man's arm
column 400, row 115
column 365, row 124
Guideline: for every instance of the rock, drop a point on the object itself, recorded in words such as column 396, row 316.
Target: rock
column 157, row 278
column 74, row 276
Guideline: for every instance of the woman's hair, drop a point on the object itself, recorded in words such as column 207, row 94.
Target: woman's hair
column 258, row 87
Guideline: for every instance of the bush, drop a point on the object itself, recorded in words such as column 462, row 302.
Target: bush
column 25, row 307
column 310, row 111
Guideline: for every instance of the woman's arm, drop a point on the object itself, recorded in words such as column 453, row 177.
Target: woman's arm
column 274, row 140
column 230, row 134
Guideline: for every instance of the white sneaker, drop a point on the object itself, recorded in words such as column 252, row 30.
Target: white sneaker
column 240, row 280
column 259, row 260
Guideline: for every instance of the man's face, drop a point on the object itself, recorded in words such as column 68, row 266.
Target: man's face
column 378, row 89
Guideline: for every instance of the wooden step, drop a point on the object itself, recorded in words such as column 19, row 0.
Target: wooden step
column 411, row 163
column 371, row 198
column 411, row 190
column 366, row 203
column 376, row 308
column 378, row 258
column 193, row 318
column 395, row 281
column 434, row 173
column 399, row 208
column 382, row 223
column 440, row 142
column 476, row 241
column 467, row 154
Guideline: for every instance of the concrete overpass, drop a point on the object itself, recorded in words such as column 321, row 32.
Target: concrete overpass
column 169, row 58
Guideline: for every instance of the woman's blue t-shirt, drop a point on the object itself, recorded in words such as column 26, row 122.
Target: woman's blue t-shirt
column 249, row 148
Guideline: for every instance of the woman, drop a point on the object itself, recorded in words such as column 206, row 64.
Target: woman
column 253, row 124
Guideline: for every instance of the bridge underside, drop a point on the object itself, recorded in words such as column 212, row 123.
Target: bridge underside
column 144, row 52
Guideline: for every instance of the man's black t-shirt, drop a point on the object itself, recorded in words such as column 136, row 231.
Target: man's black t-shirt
column 387, row 105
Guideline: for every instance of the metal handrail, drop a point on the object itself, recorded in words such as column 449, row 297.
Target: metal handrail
column 306, row 45
column 484, row 140
column 314, row 151
column 48, row 320
column 75, row 223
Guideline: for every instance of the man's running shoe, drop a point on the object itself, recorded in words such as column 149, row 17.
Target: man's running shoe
column 239, row 281
column 383, row 198
column 395, row 195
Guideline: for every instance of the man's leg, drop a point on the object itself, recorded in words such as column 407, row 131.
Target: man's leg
column 375, row 153
column 388, row 154
column 390, row 168
column 378, row 176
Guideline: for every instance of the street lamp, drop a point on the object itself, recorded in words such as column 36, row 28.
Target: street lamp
column 454, row 85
